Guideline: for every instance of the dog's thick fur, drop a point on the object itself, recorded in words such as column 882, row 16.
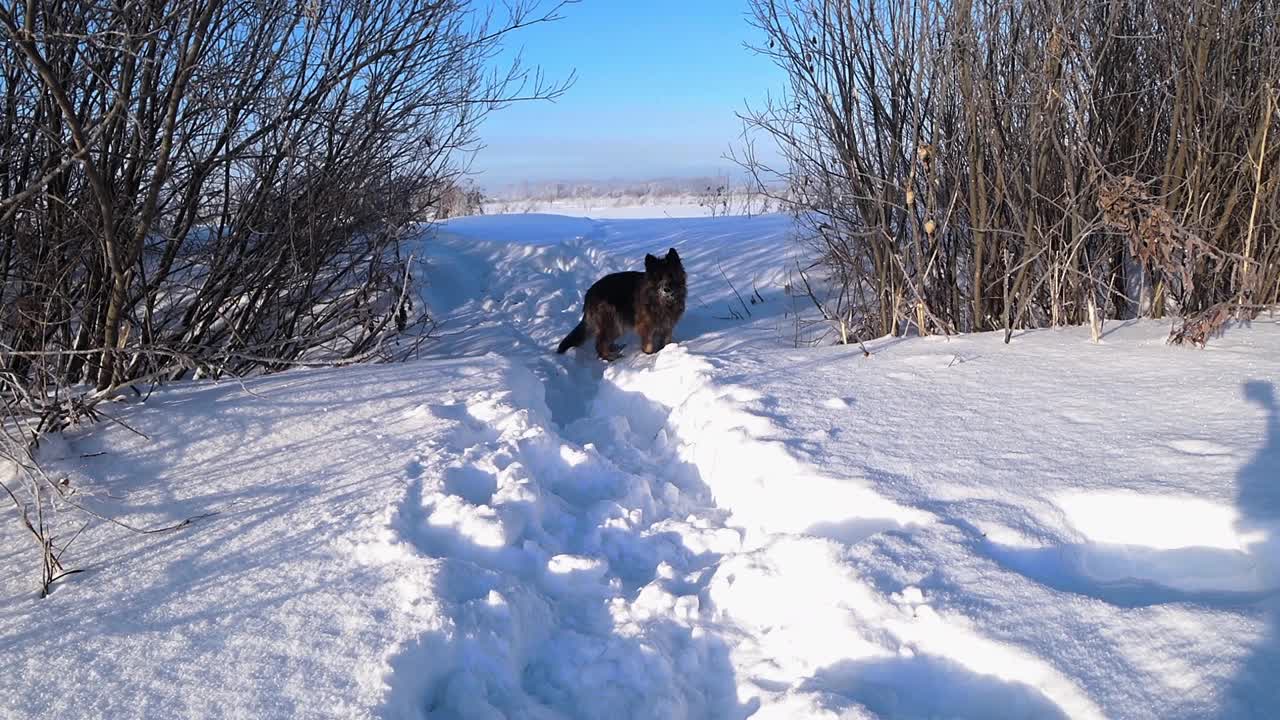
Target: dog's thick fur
column 651, row 302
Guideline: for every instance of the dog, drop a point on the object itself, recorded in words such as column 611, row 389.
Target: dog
column 651, row 302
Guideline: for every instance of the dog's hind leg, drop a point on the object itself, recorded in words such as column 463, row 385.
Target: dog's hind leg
column 607, row 329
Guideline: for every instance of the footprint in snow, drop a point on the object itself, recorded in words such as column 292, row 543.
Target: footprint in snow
column 470, row 483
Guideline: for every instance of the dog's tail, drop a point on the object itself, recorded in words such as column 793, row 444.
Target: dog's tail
column 574, row 338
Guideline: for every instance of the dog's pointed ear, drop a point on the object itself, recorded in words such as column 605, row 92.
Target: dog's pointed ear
column 650, row 262
column 672, row 255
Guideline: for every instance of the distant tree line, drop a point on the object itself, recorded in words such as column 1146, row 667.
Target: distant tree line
column 968, row 165
column 723, row 194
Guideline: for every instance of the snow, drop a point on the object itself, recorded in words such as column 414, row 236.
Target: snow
column 738, row 526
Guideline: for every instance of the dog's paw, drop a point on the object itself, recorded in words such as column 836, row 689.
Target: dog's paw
column 614, row 352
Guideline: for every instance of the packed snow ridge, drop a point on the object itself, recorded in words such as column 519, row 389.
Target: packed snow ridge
column 737, row 526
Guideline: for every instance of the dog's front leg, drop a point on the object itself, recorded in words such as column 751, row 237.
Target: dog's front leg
column 647, row 335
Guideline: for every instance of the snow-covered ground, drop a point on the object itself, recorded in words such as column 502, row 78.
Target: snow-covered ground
column 733, row 527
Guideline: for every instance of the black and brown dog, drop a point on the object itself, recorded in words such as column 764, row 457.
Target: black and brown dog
column 651, row 302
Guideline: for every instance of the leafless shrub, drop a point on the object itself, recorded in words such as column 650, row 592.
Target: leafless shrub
column 459, row 199
column 1163, row 248
column 216, row 187
column 953, row 162
column 716, row 199
column 1198, row 328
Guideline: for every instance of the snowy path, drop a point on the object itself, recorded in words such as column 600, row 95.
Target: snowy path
column 668, row 547
column 734, row 527
column 669, row 554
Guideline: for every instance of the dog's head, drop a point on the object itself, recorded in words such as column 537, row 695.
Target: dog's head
column 665, row 276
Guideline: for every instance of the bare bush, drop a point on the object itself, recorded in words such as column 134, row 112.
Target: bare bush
column 716, row 199
column 460, row 198
column 222, row 186
column 960, row 165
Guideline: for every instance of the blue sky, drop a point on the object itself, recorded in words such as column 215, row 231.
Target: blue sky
column 658, row 84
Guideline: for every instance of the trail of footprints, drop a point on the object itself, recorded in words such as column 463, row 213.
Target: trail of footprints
column 557, row 533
